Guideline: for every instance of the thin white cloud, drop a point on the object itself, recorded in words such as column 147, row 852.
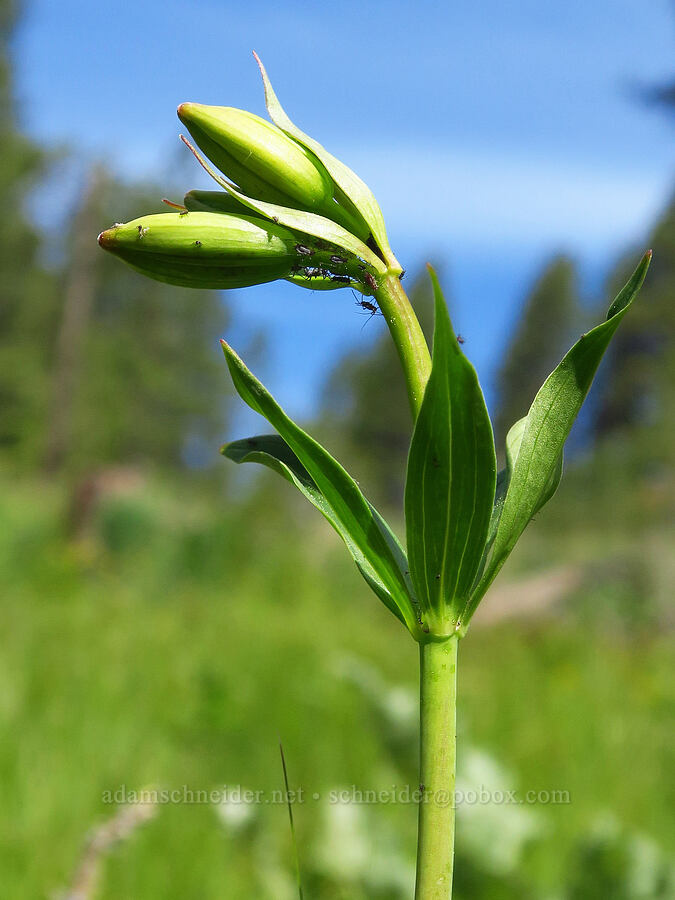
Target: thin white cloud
column 471, row 196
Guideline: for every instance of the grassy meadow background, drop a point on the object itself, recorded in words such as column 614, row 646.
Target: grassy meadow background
column 168, row 618
column 176, row 642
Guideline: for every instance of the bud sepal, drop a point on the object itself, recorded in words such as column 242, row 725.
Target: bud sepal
column 352, row 193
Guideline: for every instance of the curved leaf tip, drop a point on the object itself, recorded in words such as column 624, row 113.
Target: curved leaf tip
column 632, row 286
column 535, row 444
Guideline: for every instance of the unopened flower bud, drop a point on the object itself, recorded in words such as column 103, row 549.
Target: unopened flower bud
column 266, row 163
column 204, row 250
column 258, row 156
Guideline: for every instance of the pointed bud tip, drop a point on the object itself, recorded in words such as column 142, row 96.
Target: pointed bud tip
column 107, row 238
column 184, row 111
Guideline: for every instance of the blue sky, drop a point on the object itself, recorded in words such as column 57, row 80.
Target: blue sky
column 493, row 134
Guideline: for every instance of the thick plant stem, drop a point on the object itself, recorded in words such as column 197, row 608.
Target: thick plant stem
column 436, row 828
column 407, row 334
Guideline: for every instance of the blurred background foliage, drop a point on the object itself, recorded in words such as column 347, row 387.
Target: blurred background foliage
column 163, row 627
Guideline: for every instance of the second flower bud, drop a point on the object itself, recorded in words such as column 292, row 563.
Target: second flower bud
column 265, row 162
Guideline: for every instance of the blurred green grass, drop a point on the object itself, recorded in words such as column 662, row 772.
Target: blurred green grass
column 177, row 639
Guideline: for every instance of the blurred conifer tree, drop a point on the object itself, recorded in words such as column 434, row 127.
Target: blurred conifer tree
column 151, row 376
column 97, row 364
column 542, row 334
column 27, row 291
column 637, row 389
column 366, row 409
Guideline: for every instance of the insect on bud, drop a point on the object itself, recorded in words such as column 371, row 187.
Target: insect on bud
column 204, row 250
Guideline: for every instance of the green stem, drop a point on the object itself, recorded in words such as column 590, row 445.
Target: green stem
column 408, row 337
column 436, row 829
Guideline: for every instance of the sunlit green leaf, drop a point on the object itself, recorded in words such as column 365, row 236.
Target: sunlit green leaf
column 306, row 464
column 513, row 439
column 537, row 442
column 450, row 485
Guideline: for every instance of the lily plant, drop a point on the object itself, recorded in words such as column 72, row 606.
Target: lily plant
column 287, row 209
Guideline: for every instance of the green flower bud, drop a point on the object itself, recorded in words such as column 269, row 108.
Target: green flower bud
column 266, row 163
column 204, row 250
column 258, row 156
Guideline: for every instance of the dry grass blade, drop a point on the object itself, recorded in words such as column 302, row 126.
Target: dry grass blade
column 100, row 841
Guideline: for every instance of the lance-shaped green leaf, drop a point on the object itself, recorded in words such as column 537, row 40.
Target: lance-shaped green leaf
column 272, row 451
column 513, row 439
column 305, row 222
column 352, row 190
column 450, row 485
column 305, row 463
column 545, row 429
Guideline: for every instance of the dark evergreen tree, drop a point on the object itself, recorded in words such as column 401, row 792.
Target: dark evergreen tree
column 97, row 364
column 27, row 291
column 151, row 374
column 542, row 334
column 637, row 387
column 366, row 408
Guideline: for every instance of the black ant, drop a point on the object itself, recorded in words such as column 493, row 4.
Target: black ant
column 368, row 307
column 198, row 243
column 460, row 339
column 401, row 275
